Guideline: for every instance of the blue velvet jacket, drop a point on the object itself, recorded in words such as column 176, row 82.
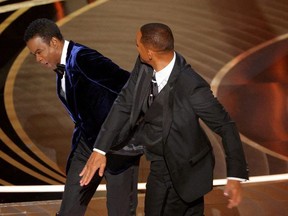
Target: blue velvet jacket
column 92, row 84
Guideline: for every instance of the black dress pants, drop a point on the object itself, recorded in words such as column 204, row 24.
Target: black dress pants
column 121, row 188
column 161, row 198
column 122, row 196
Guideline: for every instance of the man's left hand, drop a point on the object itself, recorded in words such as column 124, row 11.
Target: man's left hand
column 233, row 190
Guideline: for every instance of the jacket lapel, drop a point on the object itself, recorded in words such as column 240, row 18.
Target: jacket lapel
column 68, row 102
column 68, row 84
column 142, row 87
column 169, row 98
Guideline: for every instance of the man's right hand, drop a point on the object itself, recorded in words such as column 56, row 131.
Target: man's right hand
column 96, row 161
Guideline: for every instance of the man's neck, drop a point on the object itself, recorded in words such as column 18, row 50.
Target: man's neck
column 162, row 60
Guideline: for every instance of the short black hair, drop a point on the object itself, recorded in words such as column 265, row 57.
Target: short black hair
column 44, row 28
column 157, row 35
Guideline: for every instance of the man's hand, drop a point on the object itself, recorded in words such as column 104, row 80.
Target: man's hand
column 95, row 162
column 233, row 191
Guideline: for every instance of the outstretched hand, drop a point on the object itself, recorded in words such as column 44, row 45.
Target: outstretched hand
column 233, row 191
column 96, row 161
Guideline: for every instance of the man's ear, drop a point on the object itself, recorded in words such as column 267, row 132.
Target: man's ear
column 54, row 42
column 150, row 54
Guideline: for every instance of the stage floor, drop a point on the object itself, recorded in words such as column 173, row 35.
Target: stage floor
column 261, row 199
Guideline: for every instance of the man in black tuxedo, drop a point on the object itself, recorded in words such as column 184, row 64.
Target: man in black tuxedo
column 181, row 155
column 87, row 85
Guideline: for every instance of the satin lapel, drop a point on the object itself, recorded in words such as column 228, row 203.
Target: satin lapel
column 69, row 102
column 58, row 79
column 142, row 87
column 58, row 82
column 169, row 98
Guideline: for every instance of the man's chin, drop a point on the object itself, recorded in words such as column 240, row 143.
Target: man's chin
column 49, row 66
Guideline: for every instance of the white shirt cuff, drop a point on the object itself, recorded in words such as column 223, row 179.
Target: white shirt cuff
column 99, row 151
column 237, row 179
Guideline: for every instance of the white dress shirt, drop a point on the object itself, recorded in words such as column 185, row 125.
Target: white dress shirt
column 163, row 75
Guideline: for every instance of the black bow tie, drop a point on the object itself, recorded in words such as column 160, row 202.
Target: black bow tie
column 60, row 69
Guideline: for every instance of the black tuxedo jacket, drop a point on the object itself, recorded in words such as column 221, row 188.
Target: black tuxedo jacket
column 92, row 83
column 187, row 150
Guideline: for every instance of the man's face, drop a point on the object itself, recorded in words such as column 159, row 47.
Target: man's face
column 143, row 52
column 46, row 54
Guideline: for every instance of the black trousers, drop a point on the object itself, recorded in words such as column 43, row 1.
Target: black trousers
column 121, row 187
column 122, row 197
column 161, row 198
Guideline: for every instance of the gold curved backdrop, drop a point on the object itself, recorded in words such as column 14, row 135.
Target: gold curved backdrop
column 239, row 47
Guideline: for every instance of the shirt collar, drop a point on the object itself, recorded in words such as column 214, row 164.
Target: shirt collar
column 165, row 72
column 64, row 52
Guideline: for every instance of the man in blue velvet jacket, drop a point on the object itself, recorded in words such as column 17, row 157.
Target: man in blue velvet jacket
column 87, row 85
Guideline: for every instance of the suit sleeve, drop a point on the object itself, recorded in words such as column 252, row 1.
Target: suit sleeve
column 213, row 114
column 100, row 69
column 119, row 114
